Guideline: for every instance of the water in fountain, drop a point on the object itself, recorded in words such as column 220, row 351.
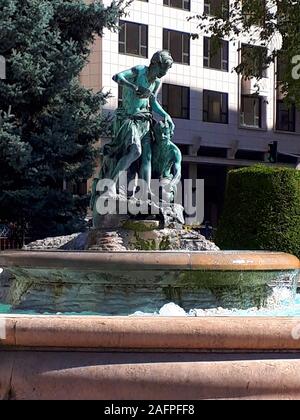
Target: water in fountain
column 282, row 302
column 124, row 293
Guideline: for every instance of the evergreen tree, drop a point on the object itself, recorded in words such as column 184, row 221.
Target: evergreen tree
column 49, row 123
column 272, row 24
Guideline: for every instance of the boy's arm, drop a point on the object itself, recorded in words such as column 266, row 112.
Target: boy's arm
column 177, row 168
column 124, row 78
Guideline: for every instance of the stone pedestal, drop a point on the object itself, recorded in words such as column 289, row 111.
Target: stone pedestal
column 146, row 235
column 131, row 235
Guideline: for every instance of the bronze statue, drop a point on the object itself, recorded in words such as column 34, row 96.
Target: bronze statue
column 136, row 142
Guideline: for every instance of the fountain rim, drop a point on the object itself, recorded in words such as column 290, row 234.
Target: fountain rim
column 163, row 333
column 149, row 359
column 150, row 260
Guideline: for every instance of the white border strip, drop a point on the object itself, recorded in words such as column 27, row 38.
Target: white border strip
column 2, row 328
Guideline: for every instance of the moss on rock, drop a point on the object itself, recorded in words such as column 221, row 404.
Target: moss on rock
column 141, row 225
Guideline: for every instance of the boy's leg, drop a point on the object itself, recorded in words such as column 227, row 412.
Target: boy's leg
column 146, row 166
column 126, row 161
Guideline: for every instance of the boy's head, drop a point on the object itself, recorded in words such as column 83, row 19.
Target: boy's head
column 163, row 132
column 162, row 61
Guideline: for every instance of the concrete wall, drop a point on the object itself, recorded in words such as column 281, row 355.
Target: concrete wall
column 91, row 77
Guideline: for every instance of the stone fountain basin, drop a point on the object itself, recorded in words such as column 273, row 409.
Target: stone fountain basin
column 121, row 283
column 115, row 358
column 152, row 358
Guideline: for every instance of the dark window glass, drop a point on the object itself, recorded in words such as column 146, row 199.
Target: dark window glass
column 253, row 61
column 251, row 107
column 133, row 39
column 215, row 54
column 215, row 107
column 176, row 100
column 218, row 8
column 282, row 66
column 286, row 117
column 178, row 43
column 281, row 14
column 254, row 12
column 178, row 4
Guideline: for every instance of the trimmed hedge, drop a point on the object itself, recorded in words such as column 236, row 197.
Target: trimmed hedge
column 262, row 210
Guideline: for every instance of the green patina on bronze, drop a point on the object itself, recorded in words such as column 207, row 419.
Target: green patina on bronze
column 167, row 159
column 140, row 146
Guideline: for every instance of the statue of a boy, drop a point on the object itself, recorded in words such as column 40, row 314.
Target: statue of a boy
column 166, row 160
column 131, row 147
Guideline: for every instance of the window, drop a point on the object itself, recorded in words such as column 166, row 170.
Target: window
column 218, row 8
column 178, row 43
column 215, row 54
column 253, row 61
column 215, row 107
column 254, row 12
column 133, row 39
column 178, row 4
column 281, row 15
column 282, row 66
column 286, row 117
column 176, row 100
column 251, row 108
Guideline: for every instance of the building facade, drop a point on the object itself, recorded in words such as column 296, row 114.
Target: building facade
column 221, row 122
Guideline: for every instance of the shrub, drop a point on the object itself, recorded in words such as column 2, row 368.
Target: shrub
column 262, row 210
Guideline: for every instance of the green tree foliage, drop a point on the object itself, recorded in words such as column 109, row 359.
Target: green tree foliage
column 49, row 122
column 262, row 210
column 272, row 24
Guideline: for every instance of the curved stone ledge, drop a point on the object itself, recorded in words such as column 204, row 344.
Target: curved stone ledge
column 155, row 260
column 113, row 376
column 84, row 358
column 162, row 334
